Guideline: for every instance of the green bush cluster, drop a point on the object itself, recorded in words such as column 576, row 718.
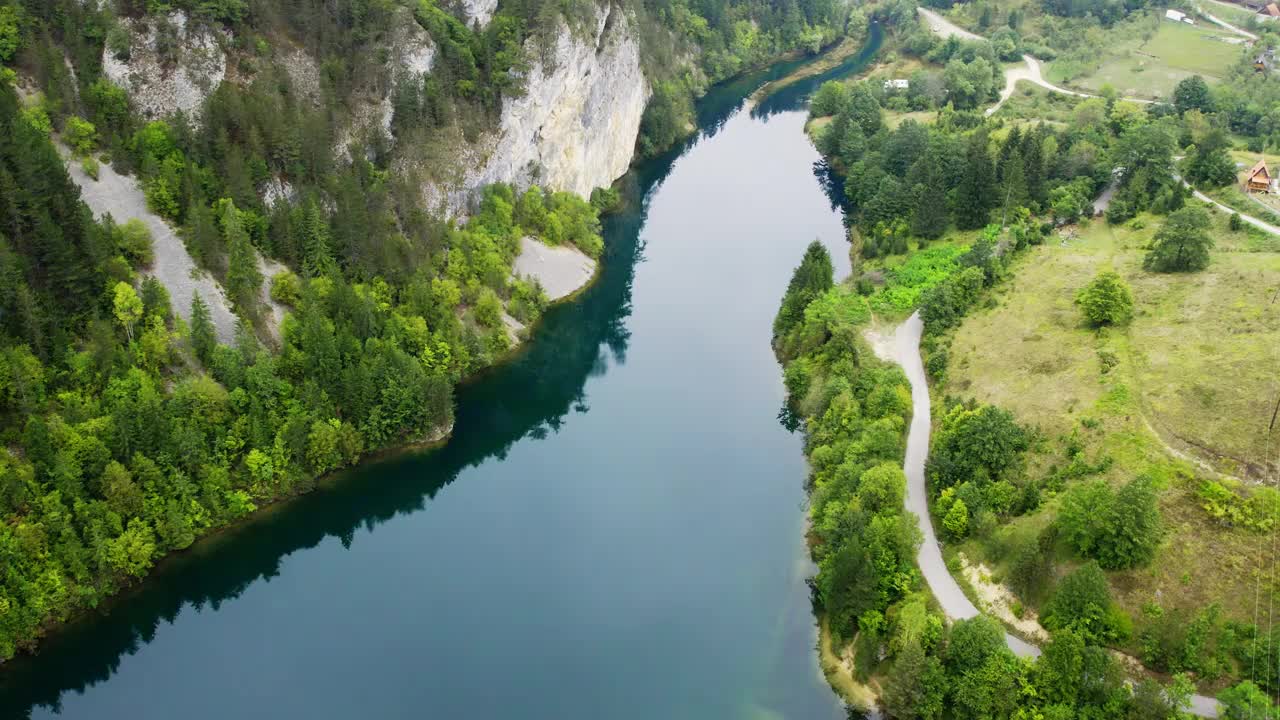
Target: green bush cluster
column 1106, row 300
column 855, row 411
column 1119, row 528
column 1259, row 510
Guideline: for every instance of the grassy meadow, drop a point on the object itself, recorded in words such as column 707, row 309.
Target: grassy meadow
column 1185, row 391
column 1151, row 68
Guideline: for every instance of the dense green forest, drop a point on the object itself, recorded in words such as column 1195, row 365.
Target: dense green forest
column 126, row 432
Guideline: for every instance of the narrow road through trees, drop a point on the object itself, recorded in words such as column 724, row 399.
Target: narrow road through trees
column 903, row 348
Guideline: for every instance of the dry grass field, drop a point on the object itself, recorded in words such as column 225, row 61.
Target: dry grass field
column 1189, row 393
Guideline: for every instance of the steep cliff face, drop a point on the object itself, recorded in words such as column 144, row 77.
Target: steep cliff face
column 479, row 11
column 412, row 55
column 170, row 65
column 575, row 127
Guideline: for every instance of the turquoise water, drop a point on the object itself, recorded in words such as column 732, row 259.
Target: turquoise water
column 614, row 531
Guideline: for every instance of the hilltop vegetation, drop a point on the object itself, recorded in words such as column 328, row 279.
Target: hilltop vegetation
column 855, row 410
column 1100, row 383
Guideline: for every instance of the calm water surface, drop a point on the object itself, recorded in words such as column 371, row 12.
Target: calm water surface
column 614, row 531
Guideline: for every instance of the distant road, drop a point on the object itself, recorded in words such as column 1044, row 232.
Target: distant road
column 1029, row 70
column 1225, row 24
column 944, row 27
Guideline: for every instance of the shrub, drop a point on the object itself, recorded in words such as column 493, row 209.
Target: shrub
column 1033, row 565
column 1106, row 300
column 1118, row 529
column 956, row 522
column 81, row 135
column 286, row 288
column 1108, row 359
column 1082, row 604
column 90, row 166
column 1234, row 223
column 605, row 200
column 134, row 240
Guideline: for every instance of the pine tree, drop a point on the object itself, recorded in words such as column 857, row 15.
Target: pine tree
column 1013, row 190
column 203, row 239
column 977, row 191
column 813, row 277
column 930, row 219
column 917, row 687
column 1033, row 166
column 1012, row 144
column 203, row 338
column 317, row 258
column 244, row 279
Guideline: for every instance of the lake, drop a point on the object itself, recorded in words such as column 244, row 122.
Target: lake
column 615, row 530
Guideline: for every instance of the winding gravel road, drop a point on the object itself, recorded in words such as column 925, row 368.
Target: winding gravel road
column 1223, row 23
column 903, row 348
column 1030, row 71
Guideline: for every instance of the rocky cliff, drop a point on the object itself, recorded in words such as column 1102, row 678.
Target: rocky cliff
column 575, row 127
column 479, row 11
column 169, row 65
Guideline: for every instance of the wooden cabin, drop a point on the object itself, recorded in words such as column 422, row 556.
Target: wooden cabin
column 1258, row 178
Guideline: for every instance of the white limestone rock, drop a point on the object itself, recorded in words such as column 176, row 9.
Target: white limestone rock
column 162, row 82
column 413, row 55
column 303, row 72
column 478, row 12
column 576, row 125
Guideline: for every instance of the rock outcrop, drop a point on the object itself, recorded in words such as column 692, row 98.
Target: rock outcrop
column 478, row 11
column 576, row 125
column 172, row 64
column 573, row 128
column 412, row 55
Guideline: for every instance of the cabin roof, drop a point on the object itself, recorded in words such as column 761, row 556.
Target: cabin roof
column 1259, row 167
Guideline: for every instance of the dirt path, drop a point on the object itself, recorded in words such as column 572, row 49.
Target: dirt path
column 1260, row 224
column 903, row 348
column 1223, row 23
column 1029, row 70
column 944, row 27
column 120, row 196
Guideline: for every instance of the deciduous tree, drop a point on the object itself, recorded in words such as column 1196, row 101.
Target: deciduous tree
column 1182, row 244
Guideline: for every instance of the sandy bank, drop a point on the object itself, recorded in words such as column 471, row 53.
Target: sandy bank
column 561, row 270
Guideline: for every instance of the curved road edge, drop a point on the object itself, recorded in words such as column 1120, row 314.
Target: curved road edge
column 903, row 348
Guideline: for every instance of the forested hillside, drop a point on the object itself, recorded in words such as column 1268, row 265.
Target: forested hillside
column 315, row 135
